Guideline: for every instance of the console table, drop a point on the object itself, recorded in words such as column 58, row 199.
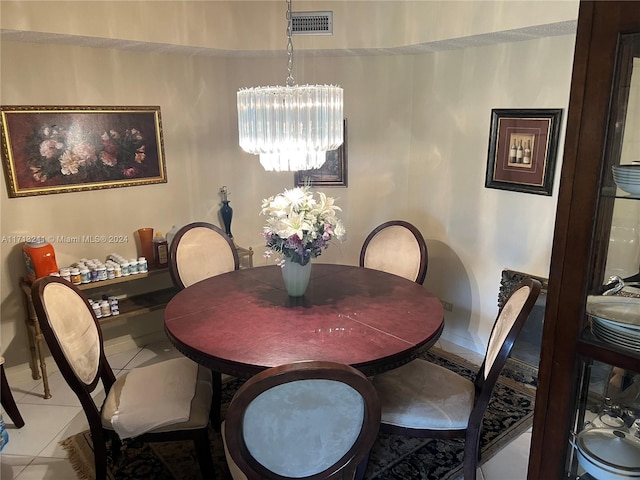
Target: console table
column 245, row 253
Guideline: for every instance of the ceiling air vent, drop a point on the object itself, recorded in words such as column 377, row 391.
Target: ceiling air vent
column 312, row 23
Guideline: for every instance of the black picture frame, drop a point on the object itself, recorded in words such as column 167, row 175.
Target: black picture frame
column 523, row 146
column 332, row 174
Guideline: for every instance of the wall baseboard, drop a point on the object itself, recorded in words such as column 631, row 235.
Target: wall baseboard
column 463, row 341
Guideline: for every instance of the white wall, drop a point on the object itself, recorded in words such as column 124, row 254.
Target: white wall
column 475, row 232
column 67, row 75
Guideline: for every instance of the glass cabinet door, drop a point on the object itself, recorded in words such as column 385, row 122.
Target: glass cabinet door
column 605, row 441
column 587, row 401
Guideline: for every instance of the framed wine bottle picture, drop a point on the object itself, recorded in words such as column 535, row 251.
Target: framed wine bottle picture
column 523, row 148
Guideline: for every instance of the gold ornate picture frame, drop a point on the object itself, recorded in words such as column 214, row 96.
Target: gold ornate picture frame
column 57, row 149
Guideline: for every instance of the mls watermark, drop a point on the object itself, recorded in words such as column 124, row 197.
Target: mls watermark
column 15, row 239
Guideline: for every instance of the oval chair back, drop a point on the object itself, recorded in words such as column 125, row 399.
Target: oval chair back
column 200, row 250
column 396, row 247
column 313, row 420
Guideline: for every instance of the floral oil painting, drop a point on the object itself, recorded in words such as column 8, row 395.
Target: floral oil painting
column 68, row 149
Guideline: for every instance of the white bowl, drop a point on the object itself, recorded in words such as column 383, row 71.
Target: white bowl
column 629, row 177
column 632, row 188
column 627, row 167
column 623, row 310
column 633, row 171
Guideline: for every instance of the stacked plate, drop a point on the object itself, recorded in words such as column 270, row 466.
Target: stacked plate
column 616, row 320
column 627, row 178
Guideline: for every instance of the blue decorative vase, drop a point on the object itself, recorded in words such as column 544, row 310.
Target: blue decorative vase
column 296, row 277
column 227, row 214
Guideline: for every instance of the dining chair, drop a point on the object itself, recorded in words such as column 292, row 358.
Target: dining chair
column 200, row 250
column 422, row 399
column 314, row 419
column 7, row 400
column 166, row 401
column 396, row 247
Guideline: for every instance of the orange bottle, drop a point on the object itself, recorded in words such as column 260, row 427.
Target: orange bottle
column 39, row 258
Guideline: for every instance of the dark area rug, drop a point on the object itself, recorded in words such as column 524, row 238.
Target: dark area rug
column 510, row 413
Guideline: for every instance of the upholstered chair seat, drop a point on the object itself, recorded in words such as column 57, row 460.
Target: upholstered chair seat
column 301, row 420
column 176, row 405
column 423, row 395
column 396, row 247
column 422, row 399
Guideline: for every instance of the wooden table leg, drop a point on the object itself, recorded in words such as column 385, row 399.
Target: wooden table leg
column 33, row 361
column 36, row 339
column 43, row 365
column 31, row 333
column 216, row 401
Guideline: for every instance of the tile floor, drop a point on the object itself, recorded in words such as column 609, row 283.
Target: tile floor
column 33, row 452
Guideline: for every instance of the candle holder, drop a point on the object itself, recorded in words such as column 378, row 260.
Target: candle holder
column 226, row 212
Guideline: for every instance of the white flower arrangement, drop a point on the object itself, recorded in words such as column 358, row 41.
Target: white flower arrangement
column 298, row 226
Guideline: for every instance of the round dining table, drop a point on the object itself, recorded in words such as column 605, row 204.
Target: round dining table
column 242, row 322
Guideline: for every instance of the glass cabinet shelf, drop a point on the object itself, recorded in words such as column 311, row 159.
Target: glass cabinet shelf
column 591, row 346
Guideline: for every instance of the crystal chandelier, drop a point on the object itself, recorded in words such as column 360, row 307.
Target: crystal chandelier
column 291, row 127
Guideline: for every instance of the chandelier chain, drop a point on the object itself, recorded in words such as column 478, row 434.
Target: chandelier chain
column 290, row 80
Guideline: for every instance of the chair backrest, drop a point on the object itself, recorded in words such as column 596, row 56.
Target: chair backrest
column 504, row 333
column 396, row 247
column 306, row 419
column 74, row 338
column 200, row 250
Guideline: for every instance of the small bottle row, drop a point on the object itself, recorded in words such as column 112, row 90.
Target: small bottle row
column 106, row 307
column 87, row 271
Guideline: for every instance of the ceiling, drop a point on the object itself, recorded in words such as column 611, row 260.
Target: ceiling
column 516, row 35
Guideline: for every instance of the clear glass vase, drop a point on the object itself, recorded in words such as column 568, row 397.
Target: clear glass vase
column 296, row 277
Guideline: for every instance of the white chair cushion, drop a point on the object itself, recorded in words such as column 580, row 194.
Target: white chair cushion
column 503, row 325
column 424, row 395
column 301, row 428
column 75, row 329
column 199, row 405
column 203, row 253
column 394, row 250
